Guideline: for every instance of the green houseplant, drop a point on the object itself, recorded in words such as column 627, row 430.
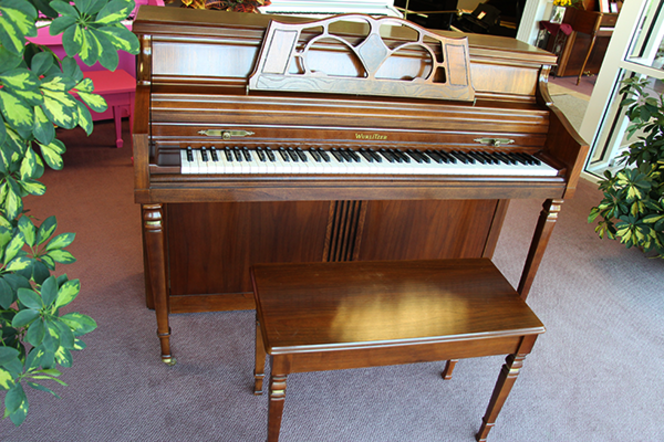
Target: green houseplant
column 632, row 209
column 36, row 97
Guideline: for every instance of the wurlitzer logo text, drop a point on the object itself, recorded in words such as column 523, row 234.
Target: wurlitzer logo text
column 370, row 137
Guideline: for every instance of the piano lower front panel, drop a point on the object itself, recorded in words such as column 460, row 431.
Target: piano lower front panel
column 212, row 245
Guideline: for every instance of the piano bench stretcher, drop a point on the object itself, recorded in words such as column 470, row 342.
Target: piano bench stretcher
column 340, row 315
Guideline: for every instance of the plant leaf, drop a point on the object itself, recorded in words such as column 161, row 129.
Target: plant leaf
column 62, row 256
column 36, row 333
column 67, row 293
column 7, row 354
column 28, row 230
column 49, row 290
column 52, row 153
column 96, row 102
column 115, row 11
column 42, row 388
column 30, row 299
column 46, row 229
column 6, row 379
column 43, row 129
column 19, row 263
column 24, row 317
column 79, row 323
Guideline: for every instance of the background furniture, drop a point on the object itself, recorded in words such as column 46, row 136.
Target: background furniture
column 118, row 89
column 582, row 51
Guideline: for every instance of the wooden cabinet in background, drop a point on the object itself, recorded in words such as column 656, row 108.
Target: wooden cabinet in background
column 582, row 52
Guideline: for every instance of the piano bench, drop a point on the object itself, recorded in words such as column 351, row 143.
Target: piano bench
column 340, row 315
column 118, row 89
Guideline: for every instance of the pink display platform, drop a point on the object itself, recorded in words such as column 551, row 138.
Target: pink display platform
column 118, row 89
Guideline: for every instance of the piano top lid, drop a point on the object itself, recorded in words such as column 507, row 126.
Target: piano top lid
column 167, row 20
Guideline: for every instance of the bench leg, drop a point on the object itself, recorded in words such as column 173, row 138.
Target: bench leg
column 506, row 379
column 259, row 371
column 449, row 368
column 276, row 406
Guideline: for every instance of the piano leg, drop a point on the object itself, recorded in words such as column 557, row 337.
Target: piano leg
column 547, row 220
column 506, row 380
column 153, row 230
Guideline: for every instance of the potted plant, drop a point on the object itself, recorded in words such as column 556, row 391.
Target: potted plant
column 632, row 209
column 36, row 97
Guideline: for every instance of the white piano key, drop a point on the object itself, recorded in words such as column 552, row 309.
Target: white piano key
column 185, row 165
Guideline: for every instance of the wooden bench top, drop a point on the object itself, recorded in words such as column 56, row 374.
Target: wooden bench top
column 313, row 307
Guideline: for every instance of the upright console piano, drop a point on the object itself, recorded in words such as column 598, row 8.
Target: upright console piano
column 265, row 139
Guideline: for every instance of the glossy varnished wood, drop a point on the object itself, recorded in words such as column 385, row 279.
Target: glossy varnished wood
column 329, row 316
column 192, row 75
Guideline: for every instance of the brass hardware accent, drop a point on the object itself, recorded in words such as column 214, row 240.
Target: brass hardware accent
column 494, row 141
column 225, row 134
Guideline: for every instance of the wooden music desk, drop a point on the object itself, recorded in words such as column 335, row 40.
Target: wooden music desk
column 330, row 316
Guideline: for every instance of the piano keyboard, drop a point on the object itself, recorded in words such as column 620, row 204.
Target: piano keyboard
column 336, row 161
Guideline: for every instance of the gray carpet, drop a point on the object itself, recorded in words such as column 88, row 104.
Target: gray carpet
column 596, row 375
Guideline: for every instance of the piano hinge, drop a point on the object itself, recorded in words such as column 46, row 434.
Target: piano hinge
column 494, row 141
column 225, row 134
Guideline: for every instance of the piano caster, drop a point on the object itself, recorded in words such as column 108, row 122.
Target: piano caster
column 170, row 361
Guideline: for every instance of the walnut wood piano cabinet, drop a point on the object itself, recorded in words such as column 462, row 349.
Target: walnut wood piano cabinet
column 238, row 80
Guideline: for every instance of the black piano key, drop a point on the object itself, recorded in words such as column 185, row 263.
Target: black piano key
column 346, row 156
column 237, row 153
column 204, row 154
column 420, row 154
column 400, row 156
column 213, row 153
column 324, row 154
column 414, row 156
column 375, row 155
column 353, row 155
column 335, row 152
column 496, row 157
column 490, row 159
column 367, row 156
column 434, row 156
column 293, row 155
column 501, row 157
column 447, row 158
column 509, row 158
column 229, row 154
column 459, row 156
column 190, row 154
column 521, row 159
column 246, row 153
column 476, row 156
column 533, row 160
column 270, row 154
column 300, row 153
column 284, row 154
column 387, row 155
column 261, row 154
column 451, row 158
column 315, row 155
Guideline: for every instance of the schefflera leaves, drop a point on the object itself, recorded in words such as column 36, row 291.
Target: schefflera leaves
column 93, row 30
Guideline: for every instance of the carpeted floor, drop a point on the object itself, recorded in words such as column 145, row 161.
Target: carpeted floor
column 596, row 375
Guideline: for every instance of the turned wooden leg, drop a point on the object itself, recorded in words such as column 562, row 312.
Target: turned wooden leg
column 276, row 406
column 506, row 379
column 547, row 220
column 153, row 233
column 259, row 371
column 449, row 368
